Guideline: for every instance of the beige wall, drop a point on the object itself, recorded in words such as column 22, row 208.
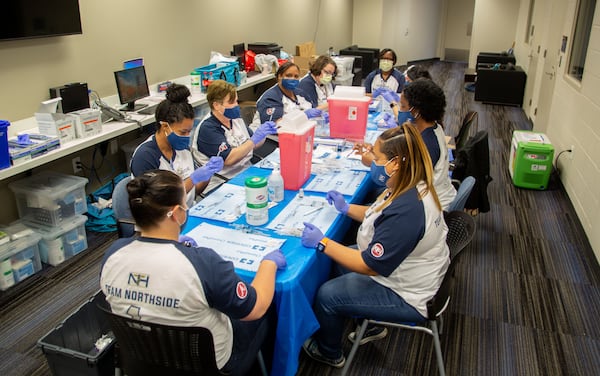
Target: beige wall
column 172, row 36
column 494, row 27
column 574, row 121
column 410, row 27
column 459, row 18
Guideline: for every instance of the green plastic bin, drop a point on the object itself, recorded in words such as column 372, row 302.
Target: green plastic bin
column 531, row 157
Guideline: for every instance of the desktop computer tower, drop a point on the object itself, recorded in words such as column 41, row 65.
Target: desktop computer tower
column 74, row 96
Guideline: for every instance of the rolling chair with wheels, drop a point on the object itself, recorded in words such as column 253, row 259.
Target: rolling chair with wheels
column 460, row 233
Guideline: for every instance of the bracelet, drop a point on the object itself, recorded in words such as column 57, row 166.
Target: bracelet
column 322, row 244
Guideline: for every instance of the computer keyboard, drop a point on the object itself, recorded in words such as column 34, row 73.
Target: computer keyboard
column 148, row 110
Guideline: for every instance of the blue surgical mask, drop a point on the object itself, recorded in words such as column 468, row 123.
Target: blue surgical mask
column 290, row 83
column 378, row 173
column 404, row 116
column 232, row 113
column 178, row 142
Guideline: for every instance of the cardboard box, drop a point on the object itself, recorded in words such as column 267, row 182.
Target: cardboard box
column 87, row 122
column 52, row 123
column 304, row 63
column 306, row 49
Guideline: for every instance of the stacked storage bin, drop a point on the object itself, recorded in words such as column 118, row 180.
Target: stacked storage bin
column 19, row 254
column 52, row 205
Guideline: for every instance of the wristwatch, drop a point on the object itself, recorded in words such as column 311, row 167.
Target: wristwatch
column 322, row 244
column 393, row 104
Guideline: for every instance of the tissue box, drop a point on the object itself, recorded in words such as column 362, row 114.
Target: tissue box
column 51, row 123
column 87, row 122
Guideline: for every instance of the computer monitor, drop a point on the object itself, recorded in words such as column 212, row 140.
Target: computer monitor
column 239, row 50
column 131, row 86
column 133, row 63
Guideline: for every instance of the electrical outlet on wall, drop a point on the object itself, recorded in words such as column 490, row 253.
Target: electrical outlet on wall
column 76, row 165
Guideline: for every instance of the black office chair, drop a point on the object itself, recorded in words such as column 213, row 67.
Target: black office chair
column 465, row 129
column 148, row 349
column 461, row 230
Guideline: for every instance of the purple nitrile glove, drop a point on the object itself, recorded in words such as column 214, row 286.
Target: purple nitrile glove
column 214, row 164
column 325, row 116
column 390, row 120
column 187, row 241
column 378, row 91
column 312, row 113
column 338, row 200
column 263, row 130
column 391, row 96
column 277, row 257
column 311, row 235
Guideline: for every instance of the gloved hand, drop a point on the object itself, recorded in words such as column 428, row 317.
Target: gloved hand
column 187, row 241
column 378, row 91
column 390, row 120
column 215, row 164
column 263, row 130
column 312, row 113
column 277, row 257
column 311, row 235
column 391, row 96
column 325, row 116
column 338, row 200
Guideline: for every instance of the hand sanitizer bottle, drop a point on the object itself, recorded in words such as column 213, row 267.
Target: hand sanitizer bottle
column 276, row 186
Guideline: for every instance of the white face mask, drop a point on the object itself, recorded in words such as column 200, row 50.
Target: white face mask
column 386, row 65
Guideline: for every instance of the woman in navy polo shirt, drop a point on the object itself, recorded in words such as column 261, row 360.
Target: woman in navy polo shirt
column 186, row 285
column 402, row 254
column 386, row 76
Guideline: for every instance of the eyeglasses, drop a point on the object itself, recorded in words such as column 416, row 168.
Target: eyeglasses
column 329, row 73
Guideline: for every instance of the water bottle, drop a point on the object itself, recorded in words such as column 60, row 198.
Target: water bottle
column 276, row 186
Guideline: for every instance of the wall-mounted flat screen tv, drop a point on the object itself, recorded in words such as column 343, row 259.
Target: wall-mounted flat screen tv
column 20, row 19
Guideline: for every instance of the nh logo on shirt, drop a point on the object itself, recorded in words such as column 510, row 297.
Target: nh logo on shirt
column 138, row 279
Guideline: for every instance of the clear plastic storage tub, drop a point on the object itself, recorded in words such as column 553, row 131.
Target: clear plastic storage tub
column 19, row 255
column 59, row 243
column 49, row 198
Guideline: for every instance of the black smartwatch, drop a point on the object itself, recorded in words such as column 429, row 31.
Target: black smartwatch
column 322, row 244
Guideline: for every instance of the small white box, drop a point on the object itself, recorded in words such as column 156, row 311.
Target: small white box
column 52, row 123
column 87, row 122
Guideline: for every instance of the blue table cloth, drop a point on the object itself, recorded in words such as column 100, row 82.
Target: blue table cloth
column 297, row 285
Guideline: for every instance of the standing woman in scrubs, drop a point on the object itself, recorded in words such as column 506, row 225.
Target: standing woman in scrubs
column 386, row 76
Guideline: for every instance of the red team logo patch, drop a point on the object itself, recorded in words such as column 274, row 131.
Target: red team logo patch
column 377, row 250
column 241, row 290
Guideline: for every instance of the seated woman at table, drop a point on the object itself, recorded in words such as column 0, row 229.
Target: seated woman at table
column 386, row 76
column 393, row 273
column 414, row 72
column 223, row 133
column 168, row 148
column 284, row 97
column 423, row 104
column 317, row 85
column 185, row 285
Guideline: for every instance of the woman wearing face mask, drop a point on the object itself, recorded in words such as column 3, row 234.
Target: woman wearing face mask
column 224, row 132
column 386, row 76
column 168, row 148
column 393, row 273
column 317, row 85
column 284, row 97
column 183, row 285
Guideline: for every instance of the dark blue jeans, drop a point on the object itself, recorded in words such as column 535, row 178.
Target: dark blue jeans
column 354, row 295
column 248, row 338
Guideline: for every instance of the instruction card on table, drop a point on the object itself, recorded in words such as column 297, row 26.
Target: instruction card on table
column 226, row 204
column 346, row 182
column 312, row 209
column 243, row 249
